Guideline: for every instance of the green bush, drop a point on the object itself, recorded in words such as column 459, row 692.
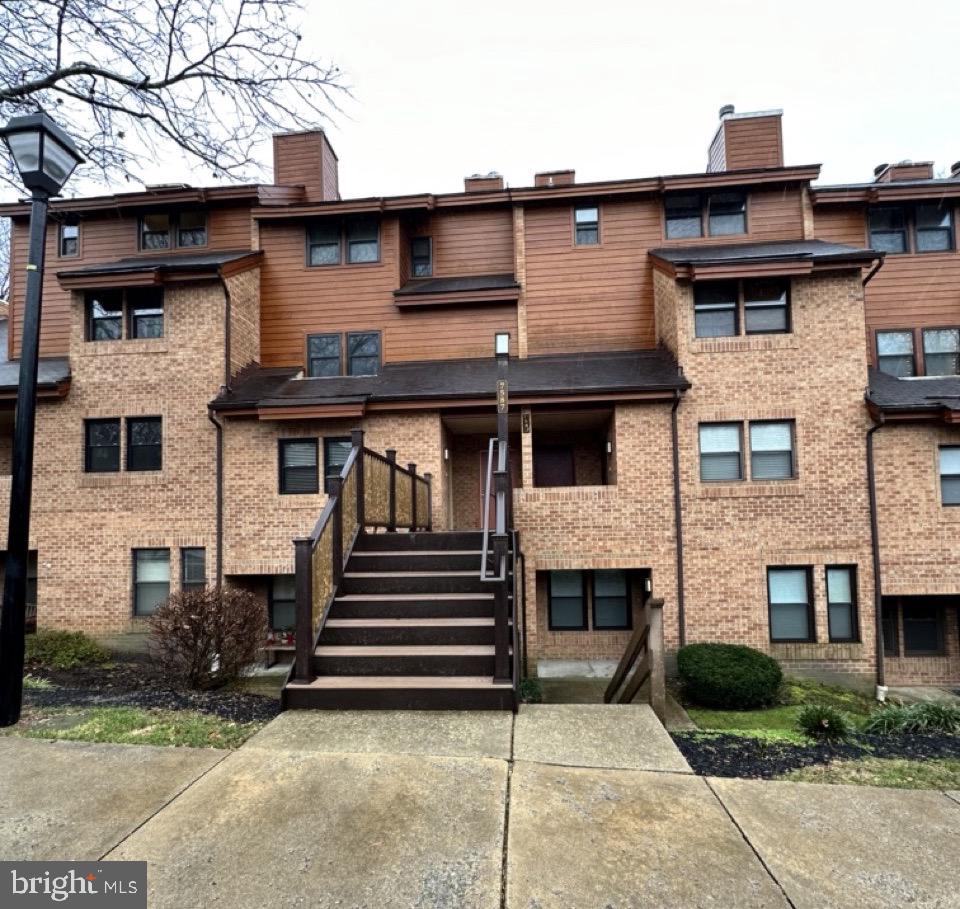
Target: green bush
column 927, row 717
column 728, row 676
column 821, row 721
column 64, row 650
column 531, row 691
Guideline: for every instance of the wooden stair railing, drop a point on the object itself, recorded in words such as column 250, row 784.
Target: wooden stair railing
column 371, row 490
column 643, row 655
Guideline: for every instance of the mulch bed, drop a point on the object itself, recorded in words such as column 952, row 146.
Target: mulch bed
column 735, row 756
column 133, row 685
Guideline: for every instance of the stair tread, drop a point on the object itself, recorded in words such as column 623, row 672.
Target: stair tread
column 400, row 650
column 410, row 597
column 347, row 682
column 409, row 623
column 377, row 553
column 412, row 574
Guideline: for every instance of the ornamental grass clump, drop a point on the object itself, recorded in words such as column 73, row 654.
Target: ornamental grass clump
column 821, row 721
column 915, row 719
column 728, row 676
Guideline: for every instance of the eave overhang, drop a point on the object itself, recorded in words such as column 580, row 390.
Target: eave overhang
column 872, row 193
column 141, row 272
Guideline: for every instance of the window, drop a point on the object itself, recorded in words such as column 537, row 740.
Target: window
column 715, row 309
column 69, row 240
column 765, row 307
column 586, row 225
column 888, row 230
column 950, row 475
column 842, row 603
column 105, row 315
column 323, row 355
column 363, row 240
column 335, row 453
column 151, row 579
column 155, row 231
column 192, row 228
column 921, row 228
column 363, row 353
column 941, row 351
column 727, row 214
column 684, row 216
column 298, row 466
column 791, row 604
column 144, row 443
column 567, row 603
column 611, row 599
column 283, row 602
column 895, row 353
column 421, row 257
column 891, row 628
column 323, row 243
column 922, row 629
column 720, row 458
column 145, row 306
column 101, row 446
column 193, row 568
column 934, row 228
column 771, row 451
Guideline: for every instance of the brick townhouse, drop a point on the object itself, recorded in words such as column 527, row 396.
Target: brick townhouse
column 735, row 389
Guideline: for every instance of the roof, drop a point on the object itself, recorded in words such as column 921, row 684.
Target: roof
column 933, row 395
column 933, row 188
column 149, row 269
column 53, row 374
column 560, row 375
column 457, row 285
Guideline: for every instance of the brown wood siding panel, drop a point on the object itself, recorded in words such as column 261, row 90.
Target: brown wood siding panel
column 753, row 142
column 104, row 239
column 590, row 297
column 297, row 300
column 298, row 159
column 840, row 224
column 472, row 243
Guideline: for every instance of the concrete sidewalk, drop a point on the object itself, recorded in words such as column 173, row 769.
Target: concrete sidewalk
column 561, row 807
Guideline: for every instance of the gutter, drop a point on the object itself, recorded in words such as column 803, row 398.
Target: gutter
column 875, row 549
column 678, row 519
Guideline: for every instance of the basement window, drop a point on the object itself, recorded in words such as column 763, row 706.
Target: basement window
column 923, row 629
column 283, row 602
column 611, row 600
column 567, row 601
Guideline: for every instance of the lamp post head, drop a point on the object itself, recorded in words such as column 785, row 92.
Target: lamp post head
column 44, row 154
column 501, row 344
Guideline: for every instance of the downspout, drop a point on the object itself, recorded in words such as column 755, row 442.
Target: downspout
column 678, row 519
column 875, row 546
column 218, row 425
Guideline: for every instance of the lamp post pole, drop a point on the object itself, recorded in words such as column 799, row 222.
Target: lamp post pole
column 45, row 156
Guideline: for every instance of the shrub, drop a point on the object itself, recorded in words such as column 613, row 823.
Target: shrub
column 728, row 675
column 927, row 717
column 531, row 691
column 64, row 650
column 206, row 638
column 821, row 721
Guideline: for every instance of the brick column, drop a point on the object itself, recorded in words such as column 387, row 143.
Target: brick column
column 526, row 448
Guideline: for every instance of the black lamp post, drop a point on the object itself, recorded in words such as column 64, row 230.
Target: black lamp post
column 45, row 156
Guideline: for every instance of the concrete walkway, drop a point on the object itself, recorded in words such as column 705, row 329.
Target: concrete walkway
column 560, row 807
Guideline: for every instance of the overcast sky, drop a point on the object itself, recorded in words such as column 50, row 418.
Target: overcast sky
column 629, row 89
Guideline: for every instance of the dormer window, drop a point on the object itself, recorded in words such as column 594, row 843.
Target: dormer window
column 724, row 214
column 185, row 230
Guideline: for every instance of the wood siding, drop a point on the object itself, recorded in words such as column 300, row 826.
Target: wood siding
column 306, row 159
column 753, row 142
column 471, row 242
column 104, row 239
column 298, row 300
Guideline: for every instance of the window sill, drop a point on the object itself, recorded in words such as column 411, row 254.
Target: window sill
column 749, row 490
column 743, row 343
column 122, row 478
column 128, row 346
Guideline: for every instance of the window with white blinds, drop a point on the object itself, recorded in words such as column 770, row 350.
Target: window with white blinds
column 298, row 466
column 720, row 452
column 771, row 450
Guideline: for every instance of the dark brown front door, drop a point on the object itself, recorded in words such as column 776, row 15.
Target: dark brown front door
column 553, row 465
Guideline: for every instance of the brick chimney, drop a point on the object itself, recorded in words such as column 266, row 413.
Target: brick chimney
column 555, row 178
column 903, row 170
column 478, row 183
column 746, row 140
column 306, row 159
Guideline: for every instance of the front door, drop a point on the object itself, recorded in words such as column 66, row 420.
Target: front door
column 553, row 465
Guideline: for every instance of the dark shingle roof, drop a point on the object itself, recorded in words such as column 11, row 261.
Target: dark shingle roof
column 645, row 370
column 934, row 394
column 457, row 285
column 51, row 371
column 789, row 250
column 172, row 262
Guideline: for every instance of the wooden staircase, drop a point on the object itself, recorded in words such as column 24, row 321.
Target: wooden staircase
column 411, row 626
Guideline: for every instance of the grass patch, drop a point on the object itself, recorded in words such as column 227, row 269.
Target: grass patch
column 32, row 683
column 889, row 772
column 134, row 726
column 779, row 723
